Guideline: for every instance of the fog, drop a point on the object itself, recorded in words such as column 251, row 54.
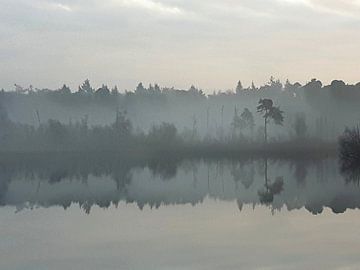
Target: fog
column 64, row 119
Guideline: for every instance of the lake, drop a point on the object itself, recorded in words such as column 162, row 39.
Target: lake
column 105, row 213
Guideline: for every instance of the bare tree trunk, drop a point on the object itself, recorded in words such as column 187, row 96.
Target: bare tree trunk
column 207, row 121
column 265, row 130
column 266, row 174
column 222, row 122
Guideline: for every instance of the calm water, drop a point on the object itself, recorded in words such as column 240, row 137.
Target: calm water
column 222, row 214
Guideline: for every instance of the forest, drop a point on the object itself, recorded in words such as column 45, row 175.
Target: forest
column 275, row 119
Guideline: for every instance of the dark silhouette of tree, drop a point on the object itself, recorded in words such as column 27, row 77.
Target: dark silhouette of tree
column 86, row 87
column 339, row 91
column 269, row 112
column 313, row 93
column 65, row 90
column 275, row 85
column 314, row 84
column 103, row 91
column 253, row 87
column 288, row 85
column 140, row 89
column 291, row 88
column 195, row 91
column 157, row 89
column 115, row 91
column 239, row 87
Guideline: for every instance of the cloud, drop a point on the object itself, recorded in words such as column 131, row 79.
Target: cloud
column 150, row 5
column 340, row 8
column 61, row 7
column 192, row 41
column 344, row 8
column 301, row 2
column 53, row 6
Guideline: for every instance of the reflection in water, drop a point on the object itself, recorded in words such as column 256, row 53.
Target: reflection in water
column 44, row 181
column 267, row 196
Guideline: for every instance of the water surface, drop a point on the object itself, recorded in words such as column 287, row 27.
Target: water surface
column 192, row 214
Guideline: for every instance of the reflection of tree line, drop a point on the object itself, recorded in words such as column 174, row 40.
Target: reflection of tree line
column 350, row 154
column 61, row 167
column 56, row 167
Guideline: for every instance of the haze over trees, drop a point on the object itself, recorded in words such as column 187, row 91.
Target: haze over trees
column 158, row 128
column 106, row 118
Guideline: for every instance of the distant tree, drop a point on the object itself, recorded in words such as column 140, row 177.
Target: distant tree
column 56, row 132
column 114, row 91
column 338, row 90
column 86, row 87
column 64, row 90
column 269, row 112
column 151, row 88
column 313, row 85
column 313, row 93
column 253, row 87
column 300, row 127
column 275, row 84
column 103, row 91
column 297, row 85
column 291, row 88
column 157, row 89
column 239, row 88
column 140, row 89
column 122, row 125
column 236, row 122
column 154, row 89
column 195, row 91
column 245, row 120
column 163, row 133
column 337, row 84
column 288, row 85
column 248, row 119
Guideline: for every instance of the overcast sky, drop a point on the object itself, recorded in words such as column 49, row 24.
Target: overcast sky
column 209, row 43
